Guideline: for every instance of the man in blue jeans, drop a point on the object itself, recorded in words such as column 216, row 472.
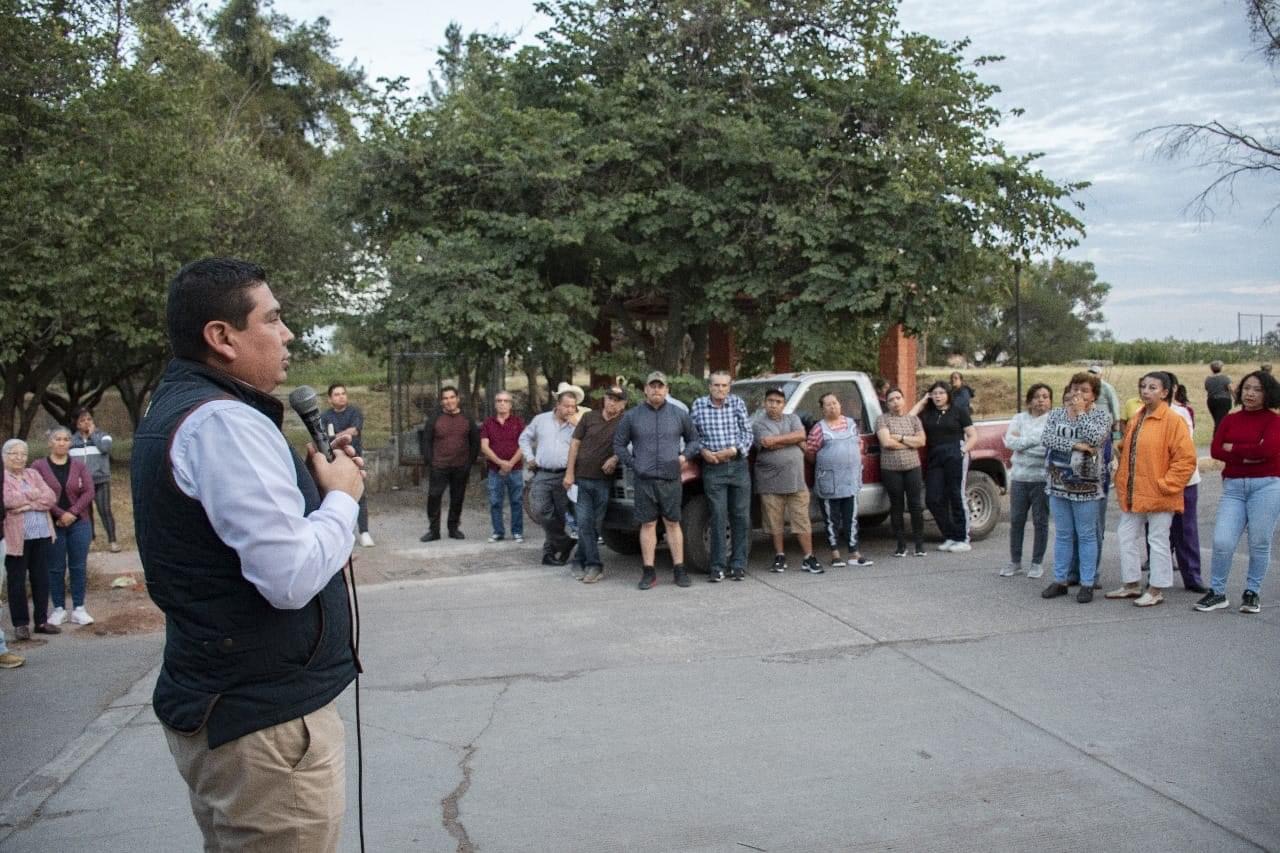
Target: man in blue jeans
column 721, row 419
column 592, row 464
column 500, row 446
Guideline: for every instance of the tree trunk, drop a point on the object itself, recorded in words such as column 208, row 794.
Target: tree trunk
column 533, row 398
column 673, row 343
column 26, row 380
column 136, row 387
column 698, row 357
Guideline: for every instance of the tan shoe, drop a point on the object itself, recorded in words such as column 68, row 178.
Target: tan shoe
column 114, row 547
column 1129, row 590
column 9, row 660
column 1150, row 598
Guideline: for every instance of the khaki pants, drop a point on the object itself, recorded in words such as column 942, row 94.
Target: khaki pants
column 281, row 788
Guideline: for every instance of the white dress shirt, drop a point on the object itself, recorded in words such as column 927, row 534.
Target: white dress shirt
column 235, row 462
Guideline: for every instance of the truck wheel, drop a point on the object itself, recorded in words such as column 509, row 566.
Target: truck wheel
column 983, row 497
column 873, row 520
column 695, row 521
column 622, row 541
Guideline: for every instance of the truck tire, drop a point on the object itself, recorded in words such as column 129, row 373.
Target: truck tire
column 983, row 498
column 695, row 521
column 873, row 520
column 622, row 541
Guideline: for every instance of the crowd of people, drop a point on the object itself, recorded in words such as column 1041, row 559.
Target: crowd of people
column 1066, row 460
column 48, row 524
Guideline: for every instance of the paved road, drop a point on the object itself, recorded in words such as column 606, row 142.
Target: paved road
column 915, row 705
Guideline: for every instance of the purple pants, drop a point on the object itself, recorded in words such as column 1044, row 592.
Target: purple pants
column 1184, row 538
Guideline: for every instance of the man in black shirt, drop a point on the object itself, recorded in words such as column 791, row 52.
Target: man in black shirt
column 346, row 419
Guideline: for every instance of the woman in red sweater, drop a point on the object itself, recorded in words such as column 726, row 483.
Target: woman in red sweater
column 1248, row 441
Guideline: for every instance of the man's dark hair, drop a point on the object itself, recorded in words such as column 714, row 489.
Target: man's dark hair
column 76, row 415
column 775, row 392
column 1270, row 389
column 447, row 389
column 204, row 291
column 341, row 385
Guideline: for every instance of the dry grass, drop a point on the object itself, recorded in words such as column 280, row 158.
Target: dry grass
column 996, row 389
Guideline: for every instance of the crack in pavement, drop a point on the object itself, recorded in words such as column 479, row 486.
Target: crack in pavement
column 483, row 680
column 450, row 811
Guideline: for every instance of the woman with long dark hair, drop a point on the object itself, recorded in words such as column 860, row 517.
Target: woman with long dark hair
column 1248, row 441
column 949, row 435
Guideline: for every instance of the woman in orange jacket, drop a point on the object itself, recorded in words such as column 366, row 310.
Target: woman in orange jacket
column 1157, row 459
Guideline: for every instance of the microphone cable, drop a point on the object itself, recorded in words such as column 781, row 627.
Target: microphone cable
column 354, row 612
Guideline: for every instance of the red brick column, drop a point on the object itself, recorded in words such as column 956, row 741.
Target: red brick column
column 782, row 357
column 898, row 360
column 722, row 350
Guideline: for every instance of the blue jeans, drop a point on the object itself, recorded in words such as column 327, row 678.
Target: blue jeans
column 1252, row 502
column 69, row 553
column 728, row 490
column 1075, row 526
column 512, row 487
column 593, row 500
column 1024, row 498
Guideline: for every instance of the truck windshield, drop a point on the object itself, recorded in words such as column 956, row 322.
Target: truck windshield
column 752, row 392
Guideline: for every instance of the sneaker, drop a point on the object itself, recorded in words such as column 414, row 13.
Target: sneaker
column 960, row 547
column 1010, row 570
column 812, row 566
column 901, row 551
column 366, row 541
column 497, row 537
column 46, row 628
column 1037, row 571
column 9, row 660
column 1150, row 598
column 779, row 564
column 593, row 574
column 22, row 632
column 738, row 574
column 114, row 547
column 681, row 577
column 1085, row 594
column 715, row 576
column 837, row 562
column 518, row 538
column 80, row 616
column 920, row 552
column 947, row 545
column 1129, row 590
column 552, row 560
column 862, row 561
column 648, row 578
column 579, row 572
column 1054, row 590
column 58, row 616
column 1212, row 601
column 1250, row 603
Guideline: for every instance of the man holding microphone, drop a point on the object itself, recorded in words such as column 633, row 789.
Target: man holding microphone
column 243, row 547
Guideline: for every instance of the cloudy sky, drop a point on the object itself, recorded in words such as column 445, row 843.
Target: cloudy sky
column 1091, row 75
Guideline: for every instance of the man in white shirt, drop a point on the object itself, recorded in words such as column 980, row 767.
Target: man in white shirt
column 243, row 547
column 545, row 444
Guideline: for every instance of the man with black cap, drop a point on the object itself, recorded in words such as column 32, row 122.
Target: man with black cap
column 592, row 464
column 654, row 430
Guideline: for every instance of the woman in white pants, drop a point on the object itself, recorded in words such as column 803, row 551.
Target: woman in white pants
column 1157, row 458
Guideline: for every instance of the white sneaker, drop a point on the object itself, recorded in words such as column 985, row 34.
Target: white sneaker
column 1037, row 571
column 1010, row 570
column 80, row 616
column 960, row 546
column 518, row 538
column 58, row 616
column 947, row 545
column 366, row 540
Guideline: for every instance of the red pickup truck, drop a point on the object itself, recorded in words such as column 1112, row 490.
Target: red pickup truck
column 988, row 466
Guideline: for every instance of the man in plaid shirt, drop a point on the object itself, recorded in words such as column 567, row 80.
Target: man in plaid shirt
column 721, row 419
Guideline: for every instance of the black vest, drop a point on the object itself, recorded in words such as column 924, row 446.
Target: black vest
column 233, row 664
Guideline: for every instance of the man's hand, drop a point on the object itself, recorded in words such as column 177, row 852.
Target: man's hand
column 504, row 465
column 609, row 465
column 709, row 457
column 568, row 482
column 344, row 474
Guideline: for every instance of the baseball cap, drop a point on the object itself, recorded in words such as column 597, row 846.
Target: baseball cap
column 1095, row 369
column 617, row 392
column 657, row 376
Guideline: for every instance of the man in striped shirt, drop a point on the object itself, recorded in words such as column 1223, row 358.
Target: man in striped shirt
column 721, row 419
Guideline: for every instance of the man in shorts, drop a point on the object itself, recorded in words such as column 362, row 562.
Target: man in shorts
column 649, row 440
column 780, row 480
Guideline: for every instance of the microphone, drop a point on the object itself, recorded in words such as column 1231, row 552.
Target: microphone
column 303, row 401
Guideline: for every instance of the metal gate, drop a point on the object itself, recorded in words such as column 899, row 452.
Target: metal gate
column 415, row 379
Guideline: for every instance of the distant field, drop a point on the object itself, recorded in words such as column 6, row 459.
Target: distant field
column 995, row 386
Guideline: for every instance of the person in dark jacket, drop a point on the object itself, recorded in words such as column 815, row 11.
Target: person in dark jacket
column 73, row 484
column 243, row 547
column 450, row 443
column 92, row 446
